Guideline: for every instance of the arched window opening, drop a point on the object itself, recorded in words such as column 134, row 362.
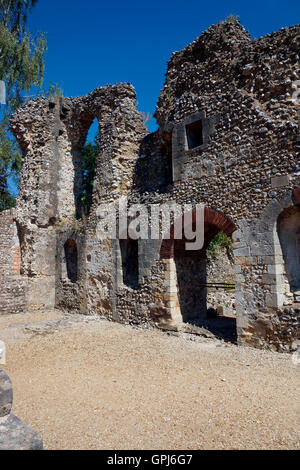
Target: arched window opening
column 130, row 262
column 194, row 134
column 89, row 156
column 71, row 258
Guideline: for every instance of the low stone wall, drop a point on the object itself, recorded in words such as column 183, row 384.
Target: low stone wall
column 10, row 256
column 12, row 284
column 12, row 295
column 276, row 329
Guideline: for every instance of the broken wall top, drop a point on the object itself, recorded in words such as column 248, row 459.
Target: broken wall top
column 224, row 59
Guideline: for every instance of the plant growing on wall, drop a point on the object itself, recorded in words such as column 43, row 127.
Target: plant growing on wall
column 221, row 240
column 231, row 18
column 55, row 91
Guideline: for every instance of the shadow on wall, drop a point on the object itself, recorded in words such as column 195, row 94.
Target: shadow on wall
column 130, row 262
column 192, row 295
column 71, row 257
column 191, row 280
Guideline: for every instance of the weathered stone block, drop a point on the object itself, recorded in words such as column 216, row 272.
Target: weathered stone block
column 274, row 300
column 280, row 181
column 269, row 278
column 262, row 250
column 6, row 394
column 275, row 269
column 14, row 434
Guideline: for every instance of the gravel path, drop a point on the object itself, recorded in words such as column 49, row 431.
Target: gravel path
column 85, row 383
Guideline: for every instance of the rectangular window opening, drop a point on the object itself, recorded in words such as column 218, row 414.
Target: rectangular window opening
column 194, row 134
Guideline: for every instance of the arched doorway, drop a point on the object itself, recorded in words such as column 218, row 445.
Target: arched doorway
column 186, row 279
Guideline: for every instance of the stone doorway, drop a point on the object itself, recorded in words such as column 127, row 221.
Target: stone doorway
column 189, row 295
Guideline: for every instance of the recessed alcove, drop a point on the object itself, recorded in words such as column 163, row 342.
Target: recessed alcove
column 194, row 134
column 71, row 260
column 130, row 262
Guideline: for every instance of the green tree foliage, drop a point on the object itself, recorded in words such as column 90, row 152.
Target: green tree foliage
column 13, row 13
column 21, row 67
column 89, row 159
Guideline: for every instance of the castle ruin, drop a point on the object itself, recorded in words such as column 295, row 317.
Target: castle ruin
column 228, row 138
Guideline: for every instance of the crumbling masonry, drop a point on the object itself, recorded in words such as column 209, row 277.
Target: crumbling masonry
column 228, row 138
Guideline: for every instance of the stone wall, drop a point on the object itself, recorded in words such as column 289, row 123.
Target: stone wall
column 220, row 270
column 247, row 164
column 268, row 313
column 51, row 135
column 228, row 139
column 12, row 285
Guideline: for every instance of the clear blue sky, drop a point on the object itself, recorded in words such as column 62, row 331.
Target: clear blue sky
column 94, row 42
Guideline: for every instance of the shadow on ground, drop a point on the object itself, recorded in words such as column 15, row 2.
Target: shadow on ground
column 221, row 327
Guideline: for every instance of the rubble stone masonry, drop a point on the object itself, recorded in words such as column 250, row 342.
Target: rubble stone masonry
column 228, row 138
column 12, row 286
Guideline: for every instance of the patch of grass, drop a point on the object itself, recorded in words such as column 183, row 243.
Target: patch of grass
column 232, row 18
column 55, row 91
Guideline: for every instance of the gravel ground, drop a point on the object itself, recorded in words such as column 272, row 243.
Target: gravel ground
column 85, row 383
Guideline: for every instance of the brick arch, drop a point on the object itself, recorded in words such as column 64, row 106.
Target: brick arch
column 214, row 219
column 220, row 221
